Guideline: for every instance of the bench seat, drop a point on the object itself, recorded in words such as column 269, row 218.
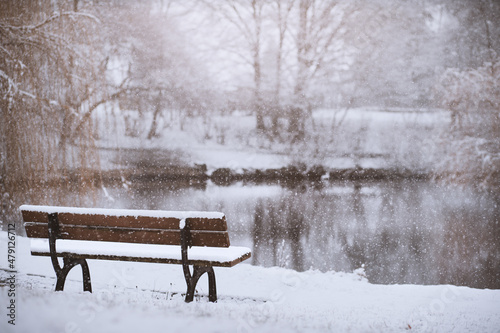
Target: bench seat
column 168, row 254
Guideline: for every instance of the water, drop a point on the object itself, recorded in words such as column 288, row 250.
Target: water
column 402, row 232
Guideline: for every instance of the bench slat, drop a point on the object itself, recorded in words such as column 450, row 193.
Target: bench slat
column 118, row 221
column 128, row 235
column 147, row 222
column 148, row 259
column 30, row 216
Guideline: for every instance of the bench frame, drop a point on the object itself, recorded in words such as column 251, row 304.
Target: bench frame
column 70, row 261
column 198, row 271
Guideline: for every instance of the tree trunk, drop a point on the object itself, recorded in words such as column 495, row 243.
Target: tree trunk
column 154, row 124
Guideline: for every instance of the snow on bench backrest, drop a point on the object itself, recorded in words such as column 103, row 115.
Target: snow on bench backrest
column 131, row 226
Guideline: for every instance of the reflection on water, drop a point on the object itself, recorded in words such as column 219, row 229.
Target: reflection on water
column 403, row 232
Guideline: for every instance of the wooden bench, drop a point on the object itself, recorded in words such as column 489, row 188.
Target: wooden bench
column 199, row 239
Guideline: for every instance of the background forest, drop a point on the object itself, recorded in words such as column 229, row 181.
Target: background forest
column 162, row 63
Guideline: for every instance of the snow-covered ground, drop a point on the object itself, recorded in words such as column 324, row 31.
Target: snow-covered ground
column 139, row 297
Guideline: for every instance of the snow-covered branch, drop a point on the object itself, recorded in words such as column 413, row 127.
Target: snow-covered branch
column 473, row 97
column 57, row 15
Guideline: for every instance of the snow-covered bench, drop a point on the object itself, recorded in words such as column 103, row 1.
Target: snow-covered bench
column 199, row 239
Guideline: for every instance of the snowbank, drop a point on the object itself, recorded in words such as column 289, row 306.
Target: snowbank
column 138, row 297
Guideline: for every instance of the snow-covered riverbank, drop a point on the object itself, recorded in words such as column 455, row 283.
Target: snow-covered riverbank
column 368, row 138
column 131, row 297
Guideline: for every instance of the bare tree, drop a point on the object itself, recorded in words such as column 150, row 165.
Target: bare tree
column 321, row 27
column 282, row 17
column 247, row 17
column 52, row 78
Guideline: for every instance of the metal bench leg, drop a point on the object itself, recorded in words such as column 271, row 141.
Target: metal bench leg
column 198, row 271
column 62, row 272
column 68, row 265
column 212, row 289
column 87, row 285
column 191, row 282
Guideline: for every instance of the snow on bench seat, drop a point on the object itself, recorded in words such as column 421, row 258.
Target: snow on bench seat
column 171, row 254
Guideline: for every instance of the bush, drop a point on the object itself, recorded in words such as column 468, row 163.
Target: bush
column 472, row 145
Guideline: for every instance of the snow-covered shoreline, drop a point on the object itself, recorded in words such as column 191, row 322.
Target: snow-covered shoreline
column 369, row 138
column 130, row 297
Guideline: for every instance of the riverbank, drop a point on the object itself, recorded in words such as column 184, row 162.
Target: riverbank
column 198, row 174
column 130, row 297
column 366, row 139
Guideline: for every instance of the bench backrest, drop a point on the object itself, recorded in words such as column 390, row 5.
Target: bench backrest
column 130, row 226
